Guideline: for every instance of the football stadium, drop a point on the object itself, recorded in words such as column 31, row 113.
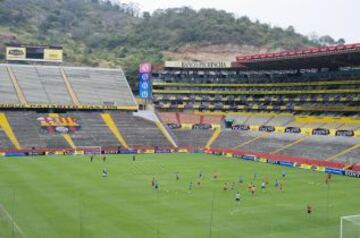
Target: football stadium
column 266, row 146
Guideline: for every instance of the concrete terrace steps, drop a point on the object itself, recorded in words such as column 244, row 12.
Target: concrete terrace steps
column 138, row 131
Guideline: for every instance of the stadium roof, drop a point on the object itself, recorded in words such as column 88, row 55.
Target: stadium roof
column 325, row 57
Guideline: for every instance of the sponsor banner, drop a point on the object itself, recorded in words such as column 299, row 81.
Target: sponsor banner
column 267, row 128
column 286, row 164
column 15, row 53
column 293, row 130
column 263, row 160
column 249, row 157
column 197, row 65
column 149, row 151
column 110, row 151
column 241, row 127
column 320, row 132
column 229, row 155
column 15, row 154
column 127, row 152
column 2, row 154
column 145, row 68
column 59, row 152
column 201, row 127
column 159, row 151
column 197, row 151
column 334, row 171
column 351, row 173
column 34, row 153
column 347, row 133
column 79, row 152
column 173, row 126
column 320, row 169
column 183, row 150
column 305, row 166
column 53, row 55
column 144, row 85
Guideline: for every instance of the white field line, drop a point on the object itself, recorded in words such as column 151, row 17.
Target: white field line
column 9, row 217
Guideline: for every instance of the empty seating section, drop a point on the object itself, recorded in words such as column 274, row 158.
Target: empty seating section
column 188, row 118
column 29, row 81
column 138, row 131
column 168, row 117
column 93, row 131
column 320, row 147
column 271, row 142
column 28, row 131
column 192, row 138
column 231, row 139
column 280, row 121
column 100, row 86
column 258, row 120
column 54, row 85
column 46, row 85
column 7, row 90
column 352, row 157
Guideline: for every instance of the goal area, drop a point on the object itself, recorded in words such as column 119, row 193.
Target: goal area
column 350, row 226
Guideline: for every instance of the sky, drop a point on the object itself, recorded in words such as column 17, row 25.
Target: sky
column 337, row 18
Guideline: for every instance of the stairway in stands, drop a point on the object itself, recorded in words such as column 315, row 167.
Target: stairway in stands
column 138, row 131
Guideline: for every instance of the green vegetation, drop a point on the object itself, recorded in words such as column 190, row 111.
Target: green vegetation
column 66, row 196
column 99, row 33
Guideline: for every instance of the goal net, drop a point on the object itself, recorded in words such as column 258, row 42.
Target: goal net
column 88, row 150
column 350, row 226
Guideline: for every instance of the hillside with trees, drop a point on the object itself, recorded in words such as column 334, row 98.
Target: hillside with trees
column 111, row 34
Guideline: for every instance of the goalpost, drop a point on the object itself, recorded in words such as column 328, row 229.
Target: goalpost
column 350, row 226
column 89, row 150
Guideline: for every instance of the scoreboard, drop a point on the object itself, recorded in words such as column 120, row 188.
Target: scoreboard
column 19, row 52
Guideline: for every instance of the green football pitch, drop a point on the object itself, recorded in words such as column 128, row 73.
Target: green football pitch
column 66, row 196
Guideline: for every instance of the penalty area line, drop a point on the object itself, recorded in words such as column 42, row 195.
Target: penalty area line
column 10, row 218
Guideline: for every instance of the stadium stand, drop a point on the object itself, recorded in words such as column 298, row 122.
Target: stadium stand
column 52, row 85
